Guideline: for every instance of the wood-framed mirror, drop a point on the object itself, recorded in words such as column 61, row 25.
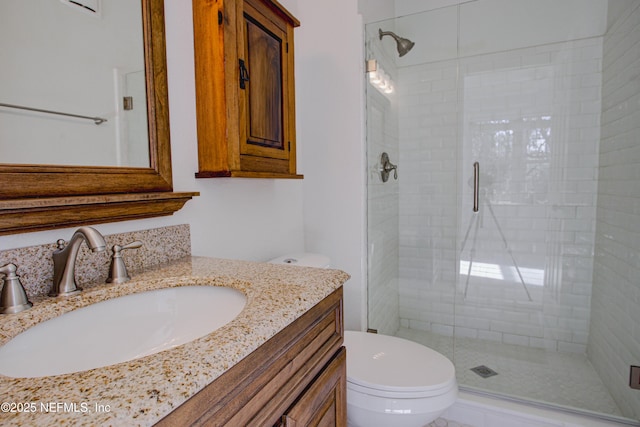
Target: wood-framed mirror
column 39, row 196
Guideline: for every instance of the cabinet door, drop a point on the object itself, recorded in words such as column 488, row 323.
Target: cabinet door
column 324, row 403
column 264, row 95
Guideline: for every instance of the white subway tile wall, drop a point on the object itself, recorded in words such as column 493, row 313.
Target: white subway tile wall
column 530, row 117
column 614, row 342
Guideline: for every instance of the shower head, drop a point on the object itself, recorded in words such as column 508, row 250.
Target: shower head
column 403, row 45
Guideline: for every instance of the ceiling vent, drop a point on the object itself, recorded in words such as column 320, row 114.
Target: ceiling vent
column 90, row 7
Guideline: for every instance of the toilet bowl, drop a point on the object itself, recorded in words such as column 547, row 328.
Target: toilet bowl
column 391, row 382
column 395, row 382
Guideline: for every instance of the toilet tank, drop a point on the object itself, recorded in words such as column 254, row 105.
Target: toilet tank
column 303, row 259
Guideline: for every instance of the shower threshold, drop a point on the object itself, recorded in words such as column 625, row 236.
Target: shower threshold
column 544, row 406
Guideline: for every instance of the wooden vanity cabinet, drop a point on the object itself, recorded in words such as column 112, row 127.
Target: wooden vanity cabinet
column 323, row 402
column 245, row 94
column 297, row 378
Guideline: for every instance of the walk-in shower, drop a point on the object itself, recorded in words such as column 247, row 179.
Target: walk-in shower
column 510, row 240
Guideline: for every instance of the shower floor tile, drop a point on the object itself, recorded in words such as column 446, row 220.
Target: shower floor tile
column 564, row 379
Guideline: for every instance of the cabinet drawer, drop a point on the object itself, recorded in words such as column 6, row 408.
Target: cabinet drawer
column 324, row 403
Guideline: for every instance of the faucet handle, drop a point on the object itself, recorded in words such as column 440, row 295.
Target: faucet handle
column 117, row 269
column 13, row 298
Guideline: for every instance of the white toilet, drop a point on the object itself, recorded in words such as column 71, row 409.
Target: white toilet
column 390, row 381
column 396, row 382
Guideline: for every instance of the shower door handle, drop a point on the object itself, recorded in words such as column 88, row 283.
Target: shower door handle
column 476, row 185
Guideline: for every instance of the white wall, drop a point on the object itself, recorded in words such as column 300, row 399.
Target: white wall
column 232, row 218
column 616, row 9
column 486, row 26
column 261, row 219
column 329, row 97
column 376, row 10
column 408, row 7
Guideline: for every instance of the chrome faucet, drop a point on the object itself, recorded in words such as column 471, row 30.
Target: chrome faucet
column 64, row 260
column 118, row 269
column 13, row 298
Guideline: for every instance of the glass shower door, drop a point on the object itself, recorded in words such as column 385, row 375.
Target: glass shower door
column 528, row 166
column 383, row 232
column 503, row 232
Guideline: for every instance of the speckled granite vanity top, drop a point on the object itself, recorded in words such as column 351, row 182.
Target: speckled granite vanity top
column 142, row 391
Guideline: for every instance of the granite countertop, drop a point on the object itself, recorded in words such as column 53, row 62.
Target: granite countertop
column 142, row 391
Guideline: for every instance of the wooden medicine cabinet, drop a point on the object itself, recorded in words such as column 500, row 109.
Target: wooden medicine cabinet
column 245, row 102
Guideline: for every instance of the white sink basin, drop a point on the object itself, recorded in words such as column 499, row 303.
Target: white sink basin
column 119, row 330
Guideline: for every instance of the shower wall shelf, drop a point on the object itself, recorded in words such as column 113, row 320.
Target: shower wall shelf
column 245, row 98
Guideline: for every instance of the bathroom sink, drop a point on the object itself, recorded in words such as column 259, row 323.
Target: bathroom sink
column 119, row 330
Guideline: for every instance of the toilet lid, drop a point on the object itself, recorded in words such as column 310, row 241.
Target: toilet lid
column 394, row 364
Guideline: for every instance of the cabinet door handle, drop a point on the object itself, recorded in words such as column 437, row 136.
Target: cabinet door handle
column 244, row 74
